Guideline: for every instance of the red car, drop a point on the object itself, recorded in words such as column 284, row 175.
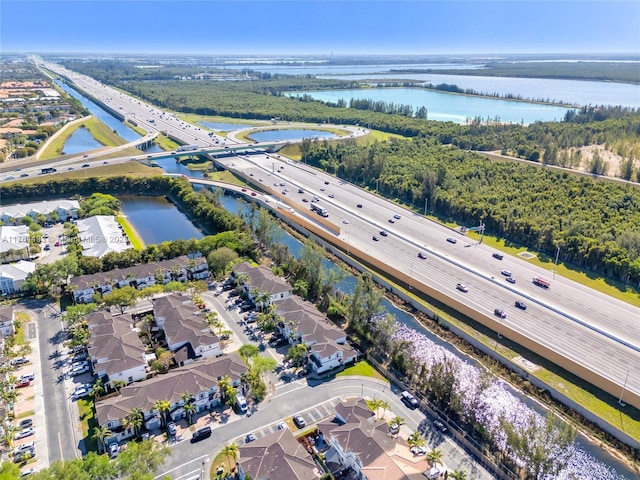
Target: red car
column 23, row 383
column 57, row 244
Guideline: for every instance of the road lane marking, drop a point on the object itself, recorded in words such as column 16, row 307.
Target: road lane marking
column 197, row 459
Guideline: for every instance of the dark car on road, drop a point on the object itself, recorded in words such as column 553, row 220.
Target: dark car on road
column 500, row 313
column 521, row 305
column 499, row 256
column 201, row 434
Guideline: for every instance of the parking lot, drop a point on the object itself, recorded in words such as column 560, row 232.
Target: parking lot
column 311, row 416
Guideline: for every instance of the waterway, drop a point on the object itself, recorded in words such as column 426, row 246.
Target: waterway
column 448, row 107
column 170, row 165
column 157, row 220
column 80, row 141
column 105, row 117
column 289, row 134
column 579, row 92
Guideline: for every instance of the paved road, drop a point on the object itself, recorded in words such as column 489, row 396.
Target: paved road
column 61, row 424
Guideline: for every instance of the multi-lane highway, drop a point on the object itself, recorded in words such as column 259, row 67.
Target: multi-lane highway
column 588, row 329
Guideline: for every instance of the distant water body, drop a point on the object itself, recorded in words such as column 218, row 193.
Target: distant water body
column 571, row 91
column 448, row 107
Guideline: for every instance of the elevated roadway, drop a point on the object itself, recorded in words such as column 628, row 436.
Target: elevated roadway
column 590, row 334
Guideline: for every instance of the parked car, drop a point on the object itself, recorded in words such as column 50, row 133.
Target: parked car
column 299, row 421
column 24, row 433
column 24, row 447
column 27, row 472
column 27, row 422
column 79, row 370
column 28, row 376
column 19, row 361
column 82, row 391
column 281, row 426
column 250, row 438
column 22, row 383
column 394, row 428
column 171, row 428
column 113, row 450
column 419, row 450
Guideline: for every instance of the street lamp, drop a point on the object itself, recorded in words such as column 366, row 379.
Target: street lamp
column 426, row 200
column 555, row 264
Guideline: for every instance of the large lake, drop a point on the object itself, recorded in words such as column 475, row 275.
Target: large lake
column 571, row 91
column 449, row 107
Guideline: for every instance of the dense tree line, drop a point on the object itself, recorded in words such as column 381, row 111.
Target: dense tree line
column 586, row 70
column 595, row 224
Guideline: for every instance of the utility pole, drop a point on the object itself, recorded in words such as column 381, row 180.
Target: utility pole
column 555, row 264
column 624, row 386
column 426, row 200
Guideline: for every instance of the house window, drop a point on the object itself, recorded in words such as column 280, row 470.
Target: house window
column 130, row 379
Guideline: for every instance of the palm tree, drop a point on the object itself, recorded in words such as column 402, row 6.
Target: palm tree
column 417, row 440
column 118, row 384
column 435, row 457
column 163, row 407
column 190, row 409
column 301, row 288
column 375, row 405
column 384, row 405
column 186, row 397
column 97, row 389
column 458, row 475
column 100, row 434
column 262, row 299
column 133, row 420
column 230, row 451
column 398, row 420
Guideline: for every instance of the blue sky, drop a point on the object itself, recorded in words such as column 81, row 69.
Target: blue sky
column 320, row 27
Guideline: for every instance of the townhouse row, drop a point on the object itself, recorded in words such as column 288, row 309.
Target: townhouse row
column 300, row 321
column 180, row 269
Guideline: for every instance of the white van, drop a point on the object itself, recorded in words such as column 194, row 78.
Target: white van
column 241, row 403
